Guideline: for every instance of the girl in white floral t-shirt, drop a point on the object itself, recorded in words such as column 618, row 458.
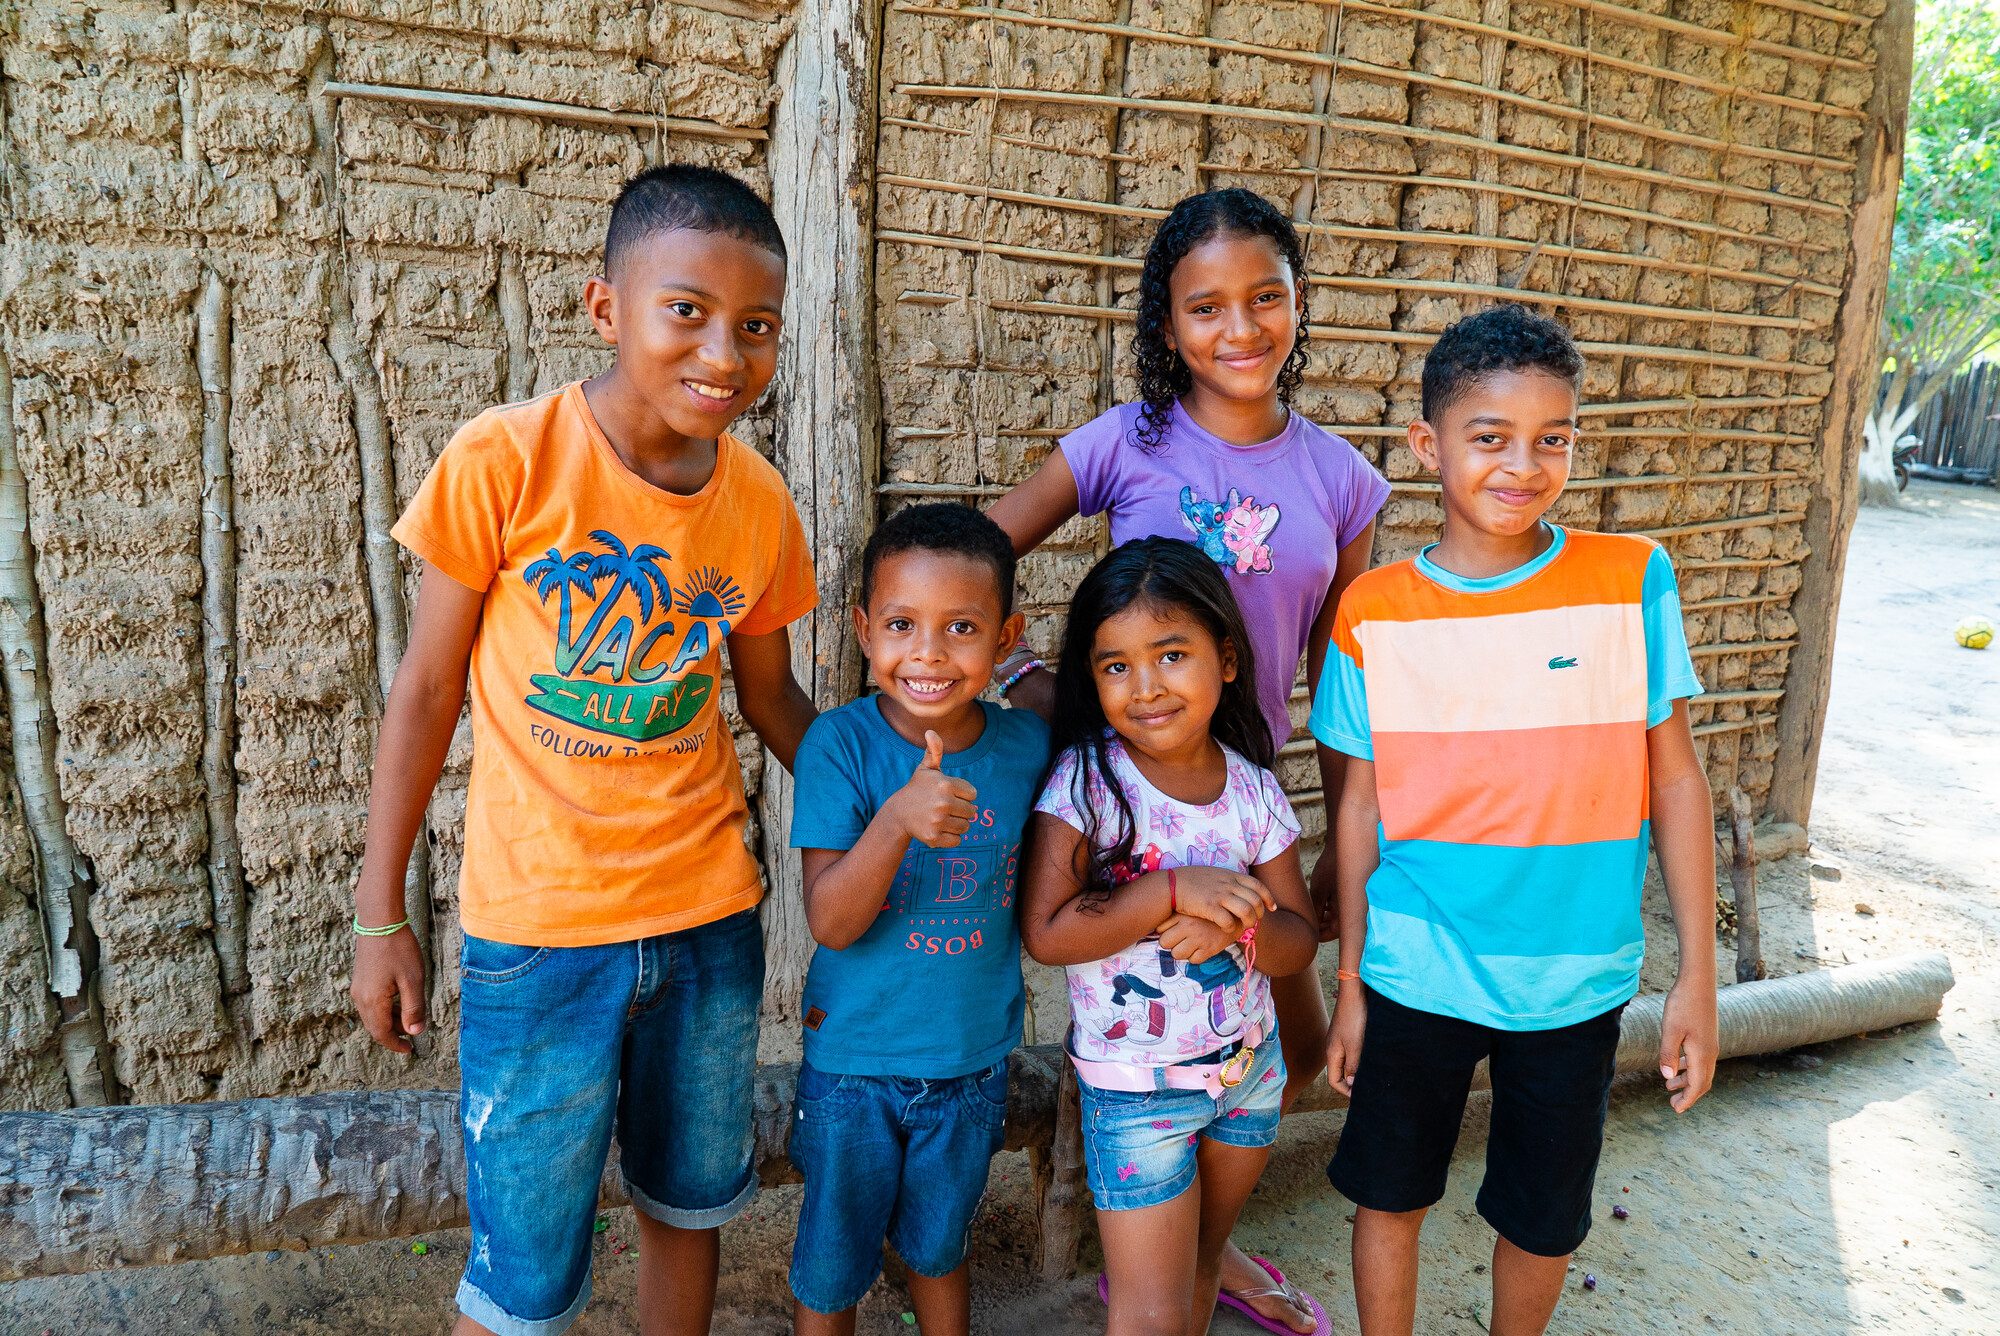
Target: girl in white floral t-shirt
column 1164, row 874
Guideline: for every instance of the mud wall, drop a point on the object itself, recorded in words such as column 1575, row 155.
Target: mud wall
column 1672, row 178
column 259, row 261
column 247, row 296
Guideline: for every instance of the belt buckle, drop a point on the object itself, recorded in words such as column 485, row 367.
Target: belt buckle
column 1237, row 1067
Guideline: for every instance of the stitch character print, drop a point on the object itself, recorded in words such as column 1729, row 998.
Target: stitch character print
column 1234, row 533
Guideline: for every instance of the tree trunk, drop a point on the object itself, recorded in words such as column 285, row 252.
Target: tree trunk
column 1877, row 468
column 137, row 1186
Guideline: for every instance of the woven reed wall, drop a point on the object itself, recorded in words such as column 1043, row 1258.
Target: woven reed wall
column 1669, row 177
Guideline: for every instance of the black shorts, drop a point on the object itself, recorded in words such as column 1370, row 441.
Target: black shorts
column 1551, row 1089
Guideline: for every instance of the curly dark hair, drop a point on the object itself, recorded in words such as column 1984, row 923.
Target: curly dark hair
column 1160, row 573
column 1508, row 337
column 1163, row 376
column 942, row 526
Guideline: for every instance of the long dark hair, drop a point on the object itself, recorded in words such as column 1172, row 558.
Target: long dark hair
column 1161, row 573
column 1163, row 376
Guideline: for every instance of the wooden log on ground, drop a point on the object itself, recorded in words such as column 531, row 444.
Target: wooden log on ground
column 137, row 1186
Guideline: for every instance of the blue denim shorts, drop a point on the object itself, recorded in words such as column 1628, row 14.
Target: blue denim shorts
column 556, row 1044
column 1139, row 1146
column 893, row 1157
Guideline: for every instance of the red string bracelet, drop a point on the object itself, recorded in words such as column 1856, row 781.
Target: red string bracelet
column 1173, row 894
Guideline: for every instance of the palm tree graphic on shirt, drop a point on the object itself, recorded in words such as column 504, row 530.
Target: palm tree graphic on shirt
column 621, row 674
column 555, row 572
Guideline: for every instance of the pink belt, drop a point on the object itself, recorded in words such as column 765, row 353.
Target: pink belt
column 1213, row 1077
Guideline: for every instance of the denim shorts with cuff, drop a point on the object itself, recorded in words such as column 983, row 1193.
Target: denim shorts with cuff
column 1139, row 1146
column 901, row 1158
column 559, row 1045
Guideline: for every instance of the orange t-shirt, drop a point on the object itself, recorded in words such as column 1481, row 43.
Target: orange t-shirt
column 606, row 803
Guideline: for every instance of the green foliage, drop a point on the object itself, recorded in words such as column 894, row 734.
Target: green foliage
column 1947, row 244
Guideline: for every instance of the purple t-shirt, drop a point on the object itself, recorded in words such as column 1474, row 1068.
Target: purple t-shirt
column 1273, row 515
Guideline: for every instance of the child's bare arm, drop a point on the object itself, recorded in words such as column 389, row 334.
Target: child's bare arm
column 1288, row 937
column 1028, row 515
column 1684, row 838
column 1038, row 507
column 1356, row 855
column 1062, row 926
column 845, row 889
column 773, row 703
column 1332, row 764
column 388, row 981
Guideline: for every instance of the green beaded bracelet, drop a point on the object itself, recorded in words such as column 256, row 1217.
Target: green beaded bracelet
column 386, row 930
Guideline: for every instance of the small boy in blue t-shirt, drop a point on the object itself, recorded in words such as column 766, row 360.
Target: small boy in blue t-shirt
column 909, row 812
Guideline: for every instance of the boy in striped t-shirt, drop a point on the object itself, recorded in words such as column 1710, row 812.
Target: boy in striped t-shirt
column 1512, row 702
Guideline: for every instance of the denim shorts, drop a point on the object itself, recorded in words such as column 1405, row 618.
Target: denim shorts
column 556, row 1044
column 895, row 1157
column 1139, row 1146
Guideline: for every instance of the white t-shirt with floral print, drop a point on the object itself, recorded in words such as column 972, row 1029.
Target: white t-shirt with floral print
column 1140, row 1005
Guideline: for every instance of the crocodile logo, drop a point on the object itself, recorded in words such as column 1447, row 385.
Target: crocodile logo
column 1560, row 662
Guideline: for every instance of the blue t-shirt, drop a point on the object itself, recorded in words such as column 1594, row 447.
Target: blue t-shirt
column 933, row 988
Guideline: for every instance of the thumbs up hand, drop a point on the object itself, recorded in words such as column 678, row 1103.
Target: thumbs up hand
column 934, row 808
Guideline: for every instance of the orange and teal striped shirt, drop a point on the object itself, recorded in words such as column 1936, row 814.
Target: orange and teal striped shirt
column 1507, row 722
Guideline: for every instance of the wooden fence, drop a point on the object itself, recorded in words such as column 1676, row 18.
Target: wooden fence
column 1960, row 429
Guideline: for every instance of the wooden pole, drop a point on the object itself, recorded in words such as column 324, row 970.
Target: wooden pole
column 1062, row 1197
column 218, row 633
column 826, row 437
column 63, row 883
column 1743, row 883
column 1856, row 367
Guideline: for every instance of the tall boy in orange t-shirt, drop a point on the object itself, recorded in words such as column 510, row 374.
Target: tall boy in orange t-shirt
column 587, row 554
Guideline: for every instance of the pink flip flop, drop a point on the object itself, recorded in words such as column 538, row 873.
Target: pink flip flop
column 1282, row 1287
column 1292, row 1294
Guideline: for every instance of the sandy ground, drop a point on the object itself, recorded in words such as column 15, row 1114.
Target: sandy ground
column 1853, row 1187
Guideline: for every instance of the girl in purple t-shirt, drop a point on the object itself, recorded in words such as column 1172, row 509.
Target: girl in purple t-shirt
column 1212, row 453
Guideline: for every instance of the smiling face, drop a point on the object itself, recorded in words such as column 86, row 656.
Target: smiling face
column 933, row 632
column 1159, row 675
column 695, row 318
column 1234, row 310
column 1501, row 449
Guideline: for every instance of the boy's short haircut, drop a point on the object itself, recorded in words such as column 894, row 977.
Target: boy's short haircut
column 1509, row 337
column 700, row 199
column 943, row 526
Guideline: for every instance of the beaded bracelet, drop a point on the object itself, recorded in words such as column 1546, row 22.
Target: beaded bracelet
column 386, row 930
column 1013, row 679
